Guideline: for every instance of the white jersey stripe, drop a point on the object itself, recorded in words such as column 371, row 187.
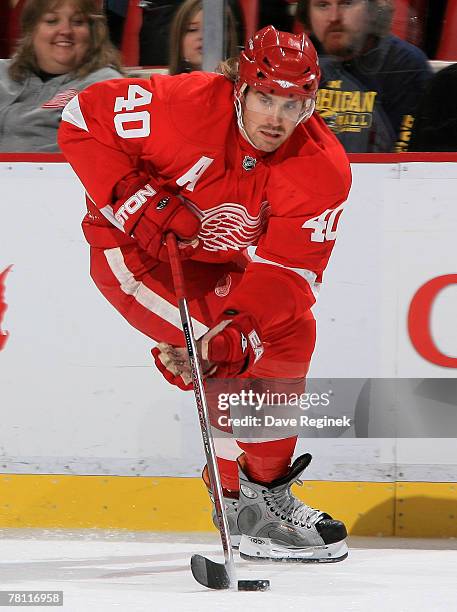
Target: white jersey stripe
column 72, row 114
column 303, row 272
column 226, row 446
column 258, row 440
column 146, row 297
column 107, row 212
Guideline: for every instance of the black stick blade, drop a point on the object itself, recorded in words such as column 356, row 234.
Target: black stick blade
column 209, row 573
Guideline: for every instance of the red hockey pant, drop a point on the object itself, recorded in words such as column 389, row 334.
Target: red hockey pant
column 142, row 291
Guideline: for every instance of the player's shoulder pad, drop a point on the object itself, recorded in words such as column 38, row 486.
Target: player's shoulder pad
column 100, row 93
column 200, row 107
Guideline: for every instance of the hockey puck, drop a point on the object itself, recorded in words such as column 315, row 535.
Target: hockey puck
column 253, row 585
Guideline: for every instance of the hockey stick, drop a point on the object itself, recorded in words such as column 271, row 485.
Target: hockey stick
column 208, row 573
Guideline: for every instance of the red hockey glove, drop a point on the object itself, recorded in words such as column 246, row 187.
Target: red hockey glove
column 167, row 213
column 231, row 346
column 226, row 351
column 173, row 363
column 149, row 213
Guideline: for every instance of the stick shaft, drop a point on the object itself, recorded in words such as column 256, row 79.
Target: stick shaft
column 202, row 406
column 176, row 267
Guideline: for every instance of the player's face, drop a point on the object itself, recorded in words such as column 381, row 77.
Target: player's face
column 341, row 26
column 192, row 42
column 61, row 39
column 269, row 120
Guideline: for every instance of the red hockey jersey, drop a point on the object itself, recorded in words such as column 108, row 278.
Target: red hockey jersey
column 182, row 131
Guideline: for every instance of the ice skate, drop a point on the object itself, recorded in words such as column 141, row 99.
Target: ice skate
column 276, row 526
column 231, row 506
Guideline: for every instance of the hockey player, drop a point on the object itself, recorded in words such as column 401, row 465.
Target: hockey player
column 225, row 161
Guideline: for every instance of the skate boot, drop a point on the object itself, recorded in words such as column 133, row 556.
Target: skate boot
column 276, row 526
column 231, row 506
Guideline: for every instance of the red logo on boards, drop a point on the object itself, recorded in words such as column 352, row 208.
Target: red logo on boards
column 3, row 306
column 419, row 321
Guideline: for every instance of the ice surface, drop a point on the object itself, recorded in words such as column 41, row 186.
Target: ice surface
column 137, row 571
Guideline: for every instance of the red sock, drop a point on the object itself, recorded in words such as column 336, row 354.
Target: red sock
column 263, row 461
column 267, row 461
column 229, row 475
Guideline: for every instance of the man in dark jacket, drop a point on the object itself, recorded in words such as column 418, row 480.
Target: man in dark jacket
column 371, row 81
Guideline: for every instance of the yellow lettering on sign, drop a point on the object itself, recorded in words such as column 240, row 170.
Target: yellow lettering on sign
column 355, row 102
column 325, row 99
column 369, row 100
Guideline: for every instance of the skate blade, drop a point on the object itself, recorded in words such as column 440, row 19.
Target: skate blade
column 264, row 551
column 292, row 559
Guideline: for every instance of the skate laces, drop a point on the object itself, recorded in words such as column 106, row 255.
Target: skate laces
column 287, row 507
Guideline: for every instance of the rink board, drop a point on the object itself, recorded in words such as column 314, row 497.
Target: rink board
column 81, row 402
column 181, row 504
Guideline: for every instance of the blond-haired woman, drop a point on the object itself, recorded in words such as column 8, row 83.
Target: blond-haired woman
column 64, row 48
column 186, row 37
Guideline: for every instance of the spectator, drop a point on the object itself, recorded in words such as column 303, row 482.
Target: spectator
column 371, row 79
column 155, row 31
column 186, row 37
column 64, row 48
column 435, row 128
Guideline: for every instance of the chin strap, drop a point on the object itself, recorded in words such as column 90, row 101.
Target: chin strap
column 239, row 115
